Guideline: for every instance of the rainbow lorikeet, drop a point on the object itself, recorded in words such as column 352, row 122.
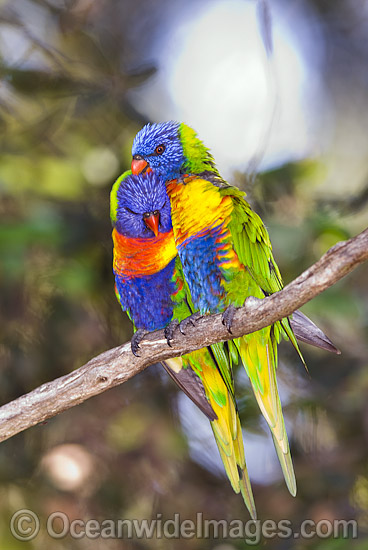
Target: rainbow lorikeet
column 226, row 256
column 150, row 287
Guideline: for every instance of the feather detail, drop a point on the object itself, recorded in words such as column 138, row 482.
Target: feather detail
column 306, row 331
column 139, row 257
column 196, row 207
column 226, row 428
column 259, row 356
column 190, row 384
column 175, row 364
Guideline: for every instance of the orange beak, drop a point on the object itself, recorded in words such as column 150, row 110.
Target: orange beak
column 152, row 222
column 140, row 166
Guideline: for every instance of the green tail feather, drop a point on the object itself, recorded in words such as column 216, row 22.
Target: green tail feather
column 237, row 473
column 259, row 358
column 287, row 467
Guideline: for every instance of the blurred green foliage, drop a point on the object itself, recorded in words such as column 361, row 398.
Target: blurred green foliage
column 67, row 124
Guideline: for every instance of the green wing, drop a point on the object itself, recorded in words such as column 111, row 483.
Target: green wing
column 253, row 247
column 258, row 350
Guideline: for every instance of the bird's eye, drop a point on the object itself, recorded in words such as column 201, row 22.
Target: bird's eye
column 160, row 149
column 146, row 215
column 156, row 213
column 130, row 211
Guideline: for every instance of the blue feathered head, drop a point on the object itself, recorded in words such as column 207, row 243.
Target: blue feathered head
column 170, row 149
column 159, row 145
column 142, row 207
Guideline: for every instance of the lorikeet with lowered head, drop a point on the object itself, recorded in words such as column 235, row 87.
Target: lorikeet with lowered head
column 150, row 288
column 226, row 256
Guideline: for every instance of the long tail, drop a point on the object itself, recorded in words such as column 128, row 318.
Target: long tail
column 306, row 331
column 226, row 427
column 258, row 352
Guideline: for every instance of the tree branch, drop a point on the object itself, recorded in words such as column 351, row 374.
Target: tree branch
column 117, row 365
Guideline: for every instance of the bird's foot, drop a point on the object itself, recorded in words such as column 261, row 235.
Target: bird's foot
column 191, row 320
column 169, row 331
column 136, row 340
column 228, row 317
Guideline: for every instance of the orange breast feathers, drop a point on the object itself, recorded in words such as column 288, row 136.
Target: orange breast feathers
column 140, row 257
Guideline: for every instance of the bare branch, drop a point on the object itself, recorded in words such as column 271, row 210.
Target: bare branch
column 117, row 365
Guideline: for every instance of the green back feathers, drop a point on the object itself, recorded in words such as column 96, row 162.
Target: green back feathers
column 198, row 157
column 114, row 195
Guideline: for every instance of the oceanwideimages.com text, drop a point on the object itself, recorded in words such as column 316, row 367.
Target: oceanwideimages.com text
column 26, row 525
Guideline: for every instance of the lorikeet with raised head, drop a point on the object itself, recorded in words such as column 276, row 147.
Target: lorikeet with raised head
column 226, row 256
column 151, row 289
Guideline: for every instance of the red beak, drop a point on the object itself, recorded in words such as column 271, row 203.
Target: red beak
column 152, row 223
column 140, row 166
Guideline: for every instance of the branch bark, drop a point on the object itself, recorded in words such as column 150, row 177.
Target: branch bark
column 117, row 365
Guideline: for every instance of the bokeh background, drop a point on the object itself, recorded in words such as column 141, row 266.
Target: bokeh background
column 78, row 80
